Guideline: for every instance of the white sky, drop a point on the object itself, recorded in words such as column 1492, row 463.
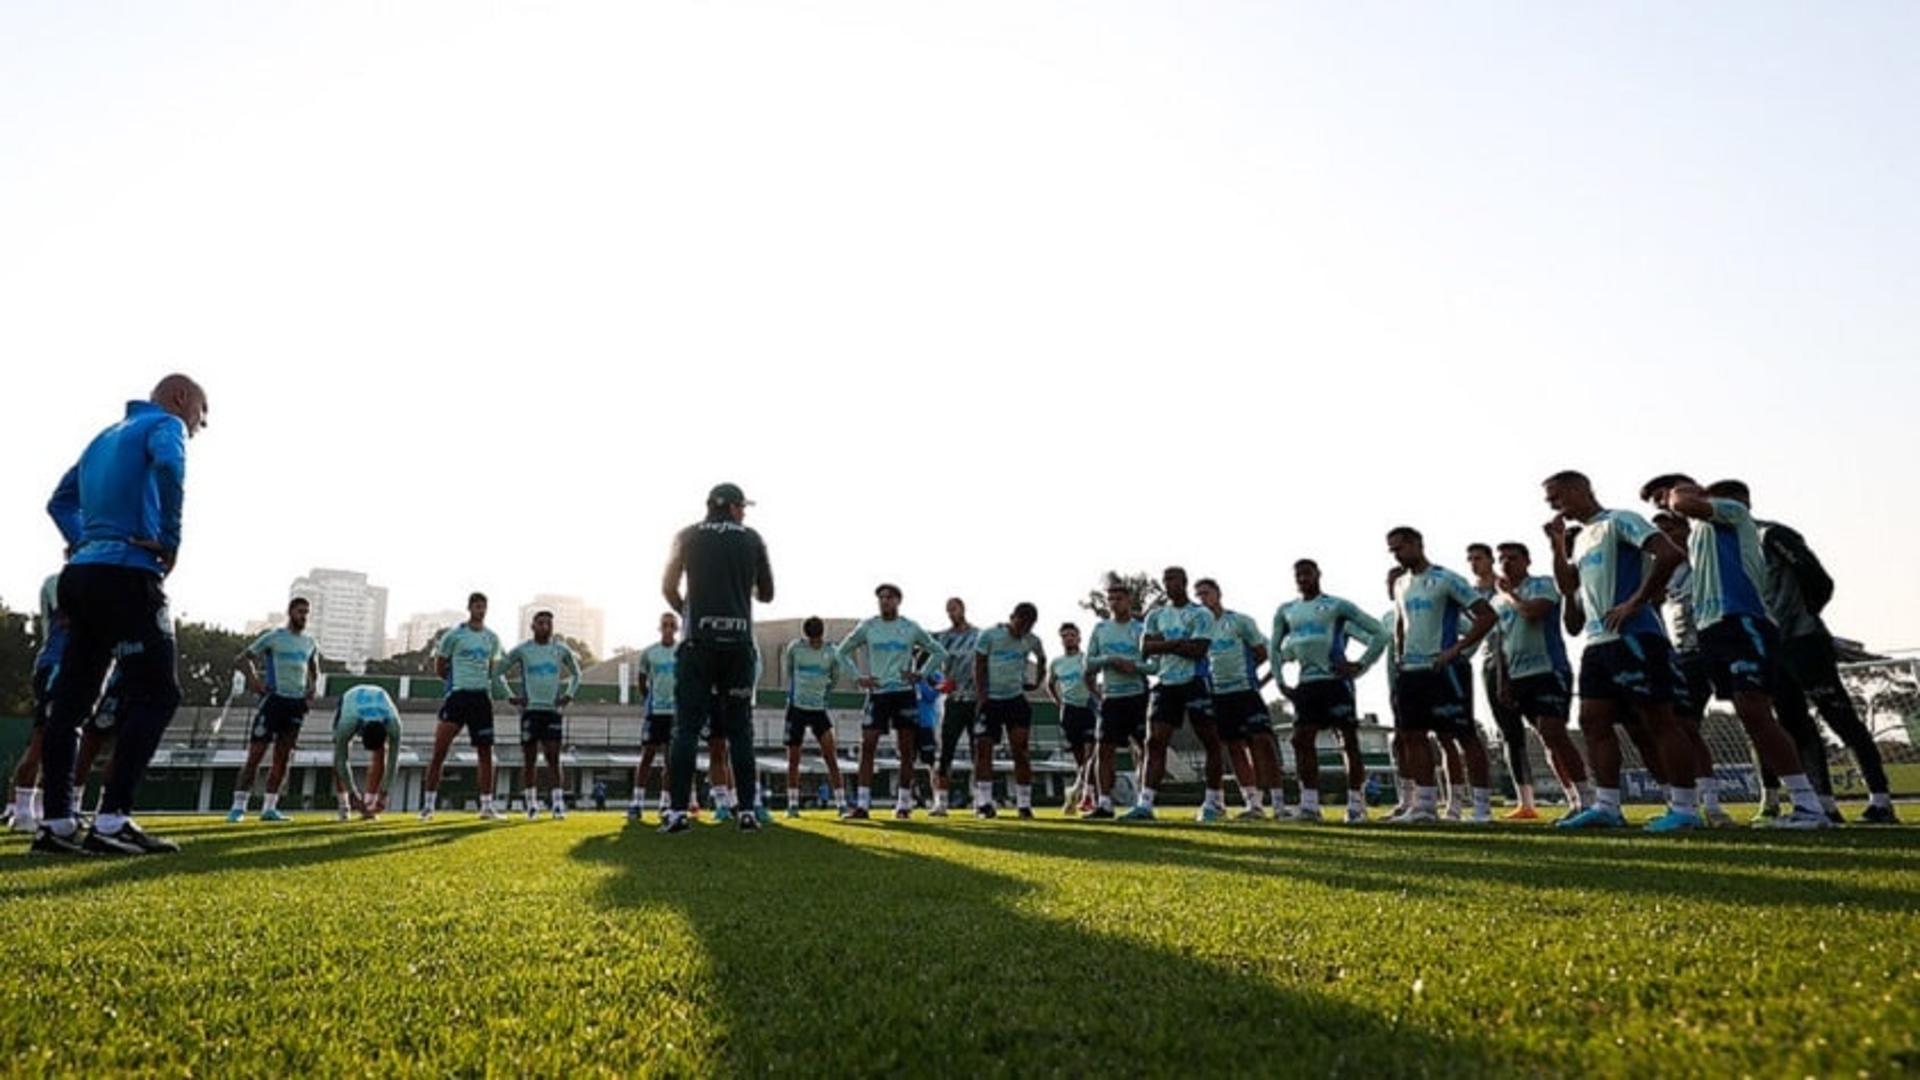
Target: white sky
column 981, row 298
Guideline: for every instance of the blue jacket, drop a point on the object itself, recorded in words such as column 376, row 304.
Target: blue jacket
column 129, row 485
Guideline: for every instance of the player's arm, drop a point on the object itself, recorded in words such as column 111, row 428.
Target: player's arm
column 572, row 664
column 167, row 457
column 980, row 670
column 1692, row 501
column 1373, row 633
column 675, row 572
column 64, row 507
column 342, row 771
column 1053, row 689
column 246, row 666
column 936, row 654
column 313, row 674
column 1483, row 621
column 762, row 572
column 862, row 677
column 1667, row 557
column 1566, row 576
column 443, row 655
column 1039, row 651
column 393, row 754
column 1251, row 637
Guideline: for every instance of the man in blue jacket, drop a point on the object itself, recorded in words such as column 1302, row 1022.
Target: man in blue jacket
column 119, row 509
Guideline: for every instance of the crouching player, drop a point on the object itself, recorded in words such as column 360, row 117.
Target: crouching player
column 366, row 713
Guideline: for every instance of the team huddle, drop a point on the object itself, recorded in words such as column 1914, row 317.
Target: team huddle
column 1701, row 600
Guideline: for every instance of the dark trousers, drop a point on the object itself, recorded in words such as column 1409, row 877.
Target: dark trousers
column 1809, row 675
column 116, row 615
column 1513, row 735
column 712, row 682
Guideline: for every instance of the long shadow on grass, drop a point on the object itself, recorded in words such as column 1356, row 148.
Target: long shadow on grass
column 1381, row 861
column 228, row 850
column 831, row 955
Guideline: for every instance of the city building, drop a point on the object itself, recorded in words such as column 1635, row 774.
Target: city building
column 420, row 629
column 348, row 617
column 572, row 617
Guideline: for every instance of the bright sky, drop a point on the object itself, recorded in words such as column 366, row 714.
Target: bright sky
column 980, row 298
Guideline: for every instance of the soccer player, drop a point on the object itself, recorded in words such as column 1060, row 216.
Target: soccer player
column 1313, row 632
column 1795, row 589
column 1692, row 687
column 1072, row 694
column 1000, row 669
column 811, row 666
column 542, row 662
column 1532, row 675
column 889, row 639
column 286, row 688
column 1507, row 718
column 962, row 706
column 1235, row 650
column 1737, row 635
column 1609, row 573
column 468, row 656
column 1114, row 656
column 1428, row 603
column 725, row 567
column 365, row 712
column 52, row 632
column 1177, row 638
column 653, row 675
column 119, row 511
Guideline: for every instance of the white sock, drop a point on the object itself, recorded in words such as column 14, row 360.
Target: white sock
column 559, row 799
column 1251, row 796
column 1482, row 801
column 40, row 809
column 1106, row 802
column 1424, row 797
column 241, row 798
column 271, row 801
column 722, row 797
column 109, row 823
column 1606, row 798
column 1217, row 798
column 430, row 800
column 902, row 799
column 639, row 800
column 1403, row 790
column 65, row 827
column 1277, row 798
column 1583, row 793
column 840, row 797
column 533, row 799
column 1146, row 797
column 982, row 793
column 939, row 798
column 486, row 802
column 1709, row 788
column 23, row 802
column 866, row 798
column 1310, row 800
column 1800, row 790
column 1880, row 798
column 1023, row 796
column 1356, row 800
column 1683, row 798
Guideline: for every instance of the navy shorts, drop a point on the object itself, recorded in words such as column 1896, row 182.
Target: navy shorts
column 1432, row 701
column 659, row 729
column 1241, row 713
column 1741, row 652
column 278, row 717
column 1636, row 669
column 1174, row 705
column 998, row 715
column 1692, row 686
column 540, row 725
column 892, row 710
column 1463, row 674
column 473, row 710
column 1325, row 703
column 1123, row 719
column 1078, row 725
column 800, row 721
column 1546, row 695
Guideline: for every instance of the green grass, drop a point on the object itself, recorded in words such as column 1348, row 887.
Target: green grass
column 964, row 948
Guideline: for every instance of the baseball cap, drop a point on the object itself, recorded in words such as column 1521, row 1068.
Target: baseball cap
column 726, row 494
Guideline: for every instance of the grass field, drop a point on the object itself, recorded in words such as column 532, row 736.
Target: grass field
column 964, row 947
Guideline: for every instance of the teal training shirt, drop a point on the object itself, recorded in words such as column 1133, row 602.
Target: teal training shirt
column 475, row 656
column 1189, row 622
column 1069, row 671
column 1729, row 567
column 1531, row 646
column 1431, row 605
column 547, row 672
column 810, row 673
column 890, row 644
column 286, row 655
column 1230, row 666
column 1113, row 640
column 1007, row 660
column 1610, row 553
column 656, row 666
column 1314, row 634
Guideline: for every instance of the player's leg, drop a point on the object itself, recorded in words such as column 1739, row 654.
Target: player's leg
column 1356, row 773
column 986, row 736
column 1599, row 722
column 1019, row 725
column 443, row 734
column 693, row 702
column 1200, row 712
column 1795, row 716
column 529, row 766
column 796, row 734
column 956, row 723
column 1305, row 741
column 26, row 779
column 257, row 742
column 869, row 751
column 1811, row 663
column 830, row 757
column 558, row 795
column 283, row 743
column 83, row 667
column 1512, row 725
column 906, row 733
column 1456, row 776
column 147, row 694
column 1564, row 756
column 735, row 722
column 1479, row 765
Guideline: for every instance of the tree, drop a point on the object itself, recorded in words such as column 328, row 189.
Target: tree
column 1147, row 592
column 206, row 661
column 581, row 651
column 17, row 649
column 417, row 662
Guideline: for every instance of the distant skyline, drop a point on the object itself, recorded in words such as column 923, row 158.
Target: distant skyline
column 984, row 299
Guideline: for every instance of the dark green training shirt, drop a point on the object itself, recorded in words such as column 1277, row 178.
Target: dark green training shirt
column 724, row 562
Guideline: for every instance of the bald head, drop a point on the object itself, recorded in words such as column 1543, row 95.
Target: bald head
column 184, row 398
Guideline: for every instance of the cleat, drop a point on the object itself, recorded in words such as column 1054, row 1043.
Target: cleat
column 633, row 814
column 1521, row 813
column 1138, row 813
column 1356, row 816
column 793, row 812
column 559, row 813
column 1801, row 820
column 342, row 814
column 1879, row 815
column 1455, row 813
column 234, row 817
column 426, row 815
column 749, row 822
column 1251, row 813
column 985, row 811
column 490, row 814
column 1025, row 814
column 1717, row 818
column 533, row 812
column 1592, row 817
column 762, row 815
column 1399, row 811
column 938, row 811
column 128, row 839
column 858, row 813
column 272, row 815
column 46, row 842
column 1674, row 820
column 671, row 822
column 903, row 813
column 1209, row 812
column 1835, row 816
column 24, row 823
column 1767, row 812
column 1417, row 816
column 1099, row 813
column 1315, row 816
column 722, row 814
column 1480, row 819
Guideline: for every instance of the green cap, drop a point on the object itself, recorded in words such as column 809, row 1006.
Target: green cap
column 727, row 494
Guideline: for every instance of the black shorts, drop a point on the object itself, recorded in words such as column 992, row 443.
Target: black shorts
column 374, row 737
column 713, row 690
column 1741, row 653
column 1174, row 705
column 956, row 723
column 800, row 721
column 1325, row 703
column 1636, row 669
column 659, row 729
column 1692, row 686
column 1241, row 713
column 540, row 726
column 1123, row 719
column 1078, row 725
column 997, row 715
column 1432, row 701
column 278, row 717
column 1545, row 695
column 473, row 710
column 1463, row 673
column 893, row 710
